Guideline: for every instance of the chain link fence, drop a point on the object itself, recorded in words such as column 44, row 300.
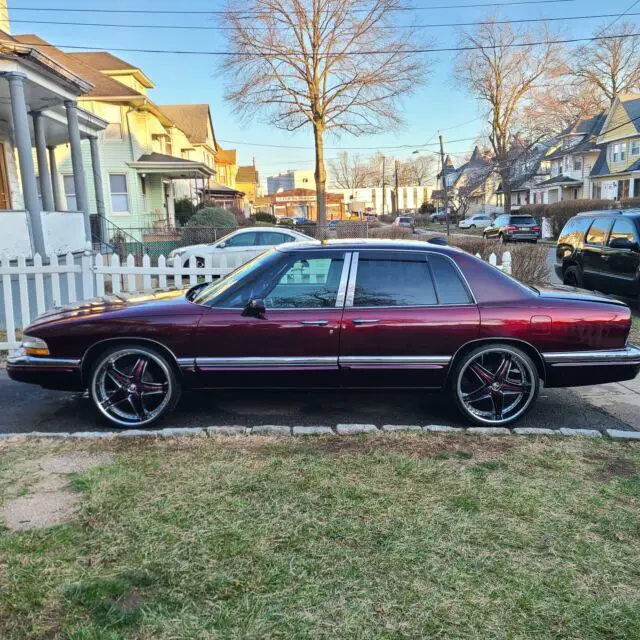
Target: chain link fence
column 157, row 242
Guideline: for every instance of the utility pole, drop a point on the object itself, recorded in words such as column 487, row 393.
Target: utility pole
column 444, row 187
column 384, row 187
column 397, row 164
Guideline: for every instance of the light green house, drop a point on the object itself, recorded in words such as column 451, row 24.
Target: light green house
column 147, row 160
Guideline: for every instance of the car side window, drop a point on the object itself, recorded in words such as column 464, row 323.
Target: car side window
column 598, row 231
column 449, row 285
column 242, row 240
column 307, row 282
column 622, row 229
column 387, row 280
column 271, row 238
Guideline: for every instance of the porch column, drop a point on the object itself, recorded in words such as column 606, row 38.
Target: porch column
column 23, row 144
column 99, row 185
column 79, row 179
column 55, row 179
column 43, row 167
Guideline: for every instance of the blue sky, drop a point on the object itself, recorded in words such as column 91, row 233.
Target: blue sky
column 182, row 79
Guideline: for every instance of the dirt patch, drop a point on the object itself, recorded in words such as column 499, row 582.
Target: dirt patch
column 48, row 501
column 130, row 602
column 613, row 467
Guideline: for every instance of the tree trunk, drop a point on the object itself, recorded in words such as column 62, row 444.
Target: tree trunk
column 321, row 176
column 506, row 188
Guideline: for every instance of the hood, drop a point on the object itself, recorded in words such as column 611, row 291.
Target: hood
column 564, row 292
column 134, row 304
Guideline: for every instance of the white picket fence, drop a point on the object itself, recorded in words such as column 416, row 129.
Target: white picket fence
column 29, row 290
column 505, row 264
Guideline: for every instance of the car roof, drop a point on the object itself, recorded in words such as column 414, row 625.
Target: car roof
column 362, row 243
column 631, row 213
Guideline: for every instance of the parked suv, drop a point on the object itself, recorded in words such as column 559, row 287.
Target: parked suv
column 513, row 227
column 406, row 222
column 600, row 250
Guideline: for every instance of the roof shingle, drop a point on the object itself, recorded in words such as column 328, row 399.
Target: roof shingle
column 193, row 119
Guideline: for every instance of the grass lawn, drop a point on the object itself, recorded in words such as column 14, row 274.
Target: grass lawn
column 391, row 536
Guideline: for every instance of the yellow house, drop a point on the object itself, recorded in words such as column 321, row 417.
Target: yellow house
column 616, row 173
column 248, row 181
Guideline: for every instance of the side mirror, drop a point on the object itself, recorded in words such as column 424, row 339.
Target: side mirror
column 255, row 308
column 222, row 245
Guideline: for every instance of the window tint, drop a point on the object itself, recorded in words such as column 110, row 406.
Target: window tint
column 271, row 238
column 242, row 240
column 451, row 289
column 307, row 283
column 598, row 231
column 385, row 280
column 622, row 229
column 523, row 220
column 574, row 230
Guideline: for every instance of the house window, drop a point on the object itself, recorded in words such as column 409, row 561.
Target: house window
column 634, row 148
column 119, row 195
column 168, row 147
column 618, row 152
column 143, row 190
column 70, row 193
column 577, row 163
column 112, row 114
column 185, row 154
column 596, row 191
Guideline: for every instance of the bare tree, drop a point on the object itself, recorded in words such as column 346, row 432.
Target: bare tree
column 330, row 64
column 349, row 171
column 420, row 170
column 609, row 66
column 502, row 76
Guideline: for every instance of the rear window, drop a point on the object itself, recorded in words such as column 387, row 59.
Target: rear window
column 598, row 231
column 406, row 220
column 526, row 220
column 574, row 229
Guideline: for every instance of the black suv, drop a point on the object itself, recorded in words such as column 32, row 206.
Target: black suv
column 600, row 250
column 513, row 227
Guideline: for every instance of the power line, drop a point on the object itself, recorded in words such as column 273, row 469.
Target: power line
column 281, row 146
column 346, row 53
column 401, row 26
column 253, row 14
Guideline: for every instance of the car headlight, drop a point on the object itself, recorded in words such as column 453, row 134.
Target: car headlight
column 34, row 346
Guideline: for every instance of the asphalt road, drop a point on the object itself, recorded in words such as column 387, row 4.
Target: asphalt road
column 27, row 408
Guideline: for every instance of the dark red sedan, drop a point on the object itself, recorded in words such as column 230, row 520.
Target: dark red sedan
column 356, row 314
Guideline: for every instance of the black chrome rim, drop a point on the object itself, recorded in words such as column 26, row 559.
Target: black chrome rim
column 496, row 386
column 131, row 387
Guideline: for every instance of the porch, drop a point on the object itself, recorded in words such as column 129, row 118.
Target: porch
column 38, row 112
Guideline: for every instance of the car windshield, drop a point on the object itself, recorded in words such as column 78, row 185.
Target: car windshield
column 206, row 295
column 526, row 220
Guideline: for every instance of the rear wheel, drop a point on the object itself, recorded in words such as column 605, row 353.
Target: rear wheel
column 495, row 384
column 472, row 226
column 133, row 386
column 573, row 276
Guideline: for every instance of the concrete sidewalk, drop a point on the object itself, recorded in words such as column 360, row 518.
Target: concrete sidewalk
column 618, row 399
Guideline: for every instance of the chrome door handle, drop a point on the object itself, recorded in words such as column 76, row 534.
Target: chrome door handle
column 365, row 321
column 315, row 323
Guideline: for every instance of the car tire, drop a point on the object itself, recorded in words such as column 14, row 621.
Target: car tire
column 572, row 276
column 490, row 395
column 133, row 386
column 485, row 236
column 472, row 226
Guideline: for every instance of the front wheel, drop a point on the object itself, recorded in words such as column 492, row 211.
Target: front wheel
column 472, row 226
column 495, row 385
column 133, row 386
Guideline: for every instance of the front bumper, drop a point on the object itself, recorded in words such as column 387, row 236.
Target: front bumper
column 52, row 373
column 578, row 368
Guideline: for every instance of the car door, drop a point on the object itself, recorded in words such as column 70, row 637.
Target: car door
column 406, row 314
column 621, row 258
column 493, row 230
column 294, row 343
column 594, row 264
column 236, row 249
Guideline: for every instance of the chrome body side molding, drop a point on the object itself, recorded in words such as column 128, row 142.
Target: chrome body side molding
column 628, row 355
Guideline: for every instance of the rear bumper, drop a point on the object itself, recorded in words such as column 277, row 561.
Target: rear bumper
column 525, row 237
column 577, row 368
column 64, row 374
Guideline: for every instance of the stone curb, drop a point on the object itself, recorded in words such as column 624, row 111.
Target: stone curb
column 315, row 430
